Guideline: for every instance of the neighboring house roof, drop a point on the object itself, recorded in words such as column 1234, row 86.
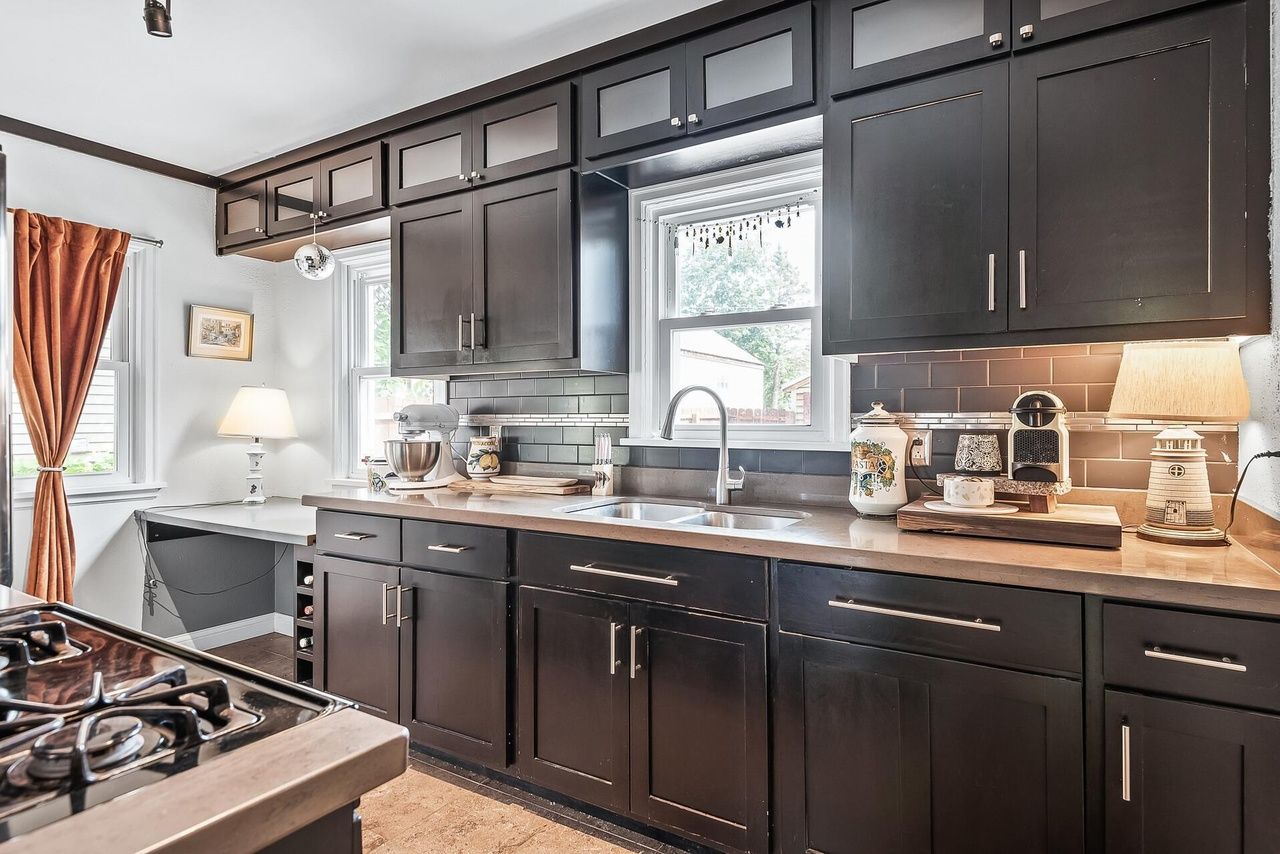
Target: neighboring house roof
column 797, row 385
column 709, row 343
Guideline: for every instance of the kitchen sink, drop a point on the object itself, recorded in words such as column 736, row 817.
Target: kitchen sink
column 644, row 510
column 688, row 513
column 753, row 521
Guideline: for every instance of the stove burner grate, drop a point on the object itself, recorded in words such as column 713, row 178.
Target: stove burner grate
column 26, row 640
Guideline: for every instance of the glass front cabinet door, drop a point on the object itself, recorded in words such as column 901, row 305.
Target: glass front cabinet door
column 1039, row 21
column 292, row 198
column 352, row 182
column 430, row 160
column 633, row 103
column 242, row 214
column 878, row 41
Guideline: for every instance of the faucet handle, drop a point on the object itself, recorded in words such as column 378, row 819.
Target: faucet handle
column 735, row 482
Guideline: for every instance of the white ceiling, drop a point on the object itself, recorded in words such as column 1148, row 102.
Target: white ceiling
column 245, row 79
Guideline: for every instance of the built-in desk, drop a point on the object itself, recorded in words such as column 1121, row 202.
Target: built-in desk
column 223, row 572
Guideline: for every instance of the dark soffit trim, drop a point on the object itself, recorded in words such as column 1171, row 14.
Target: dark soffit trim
column 79, row 144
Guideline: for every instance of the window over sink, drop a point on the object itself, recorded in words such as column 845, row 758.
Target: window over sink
column 368, row 395
column 725, row 294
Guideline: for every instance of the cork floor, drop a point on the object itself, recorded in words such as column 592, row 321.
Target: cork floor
column 438, row 808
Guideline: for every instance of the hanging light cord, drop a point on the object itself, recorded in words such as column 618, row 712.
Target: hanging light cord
column 1235, row 496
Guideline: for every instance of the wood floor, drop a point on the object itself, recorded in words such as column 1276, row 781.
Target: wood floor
column 440, row 808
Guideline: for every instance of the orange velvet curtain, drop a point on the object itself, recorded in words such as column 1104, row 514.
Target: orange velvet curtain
column 66, row 275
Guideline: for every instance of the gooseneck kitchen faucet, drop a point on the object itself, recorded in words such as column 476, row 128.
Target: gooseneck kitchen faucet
column 724, row 483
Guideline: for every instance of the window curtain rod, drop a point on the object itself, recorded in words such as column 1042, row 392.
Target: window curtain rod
column 150, row 241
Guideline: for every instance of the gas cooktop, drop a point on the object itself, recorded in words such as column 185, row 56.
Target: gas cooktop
column 90, row 710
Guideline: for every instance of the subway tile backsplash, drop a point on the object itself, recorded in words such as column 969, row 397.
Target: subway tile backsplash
column 553, row 417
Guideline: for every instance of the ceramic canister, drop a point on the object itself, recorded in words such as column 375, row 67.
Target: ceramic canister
column 483, row 460
column 877, row 476
column 969, row 492
column 978, row 452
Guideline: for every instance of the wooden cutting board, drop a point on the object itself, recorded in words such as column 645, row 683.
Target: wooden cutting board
column 1072, row 524
column 483, row 486
column 529, row 480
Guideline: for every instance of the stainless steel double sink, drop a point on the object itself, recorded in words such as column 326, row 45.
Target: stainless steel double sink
column 693, row 513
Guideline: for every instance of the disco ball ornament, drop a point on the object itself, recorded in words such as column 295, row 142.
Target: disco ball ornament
column 314, row 261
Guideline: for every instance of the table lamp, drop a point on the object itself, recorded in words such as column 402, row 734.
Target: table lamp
column 258, row 413
column 1168, row 381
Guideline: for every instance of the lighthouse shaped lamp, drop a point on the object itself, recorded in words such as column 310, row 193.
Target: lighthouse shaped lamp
column 1177, row 381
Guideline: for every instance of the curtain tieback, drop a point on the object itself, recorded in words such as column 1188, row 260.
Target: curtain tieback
column 57, row 469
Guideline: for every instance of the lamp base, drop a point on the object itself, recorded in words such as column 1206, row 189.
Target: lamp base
column 1183, row 536
column 257, row 495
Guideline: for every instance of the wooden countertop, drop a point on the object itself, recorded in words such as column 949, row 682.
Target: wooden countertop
column 1230, row 578
column 280, row 520
column 242, row 801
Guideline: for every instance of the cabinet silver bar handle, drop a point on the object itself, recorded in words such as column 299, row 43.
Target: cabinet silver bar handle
column 473, row 330
column 1022, row 278
column 354, row 535
column 635, row 665
column 1220, row 663
column 991, row 282
column 1125, row 793
column 460, row 347
column 613, row 648
column 448, row 549
column 975, row 623
column 386, row 588
column 400, row 614
column 618, row 573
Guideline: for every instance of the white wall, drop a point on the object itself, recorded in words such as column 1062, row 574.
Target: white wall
column 192, row 393
column 1261, row 356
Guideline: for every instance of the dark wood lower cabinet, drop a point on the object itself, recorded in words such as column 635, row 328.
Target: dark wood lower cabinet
column 699, row 727
column 1190, row 778
column 356, row 642
column 573, row 718
column 895, row 753
column 453, row 664
column 651, row 712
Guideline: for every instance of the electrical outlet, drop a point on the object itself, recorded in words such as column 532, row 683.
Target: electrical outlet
column 920, row 447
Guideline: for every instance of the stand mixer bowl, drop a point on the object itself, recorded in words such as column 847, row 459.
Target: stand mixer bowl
column 412, row 461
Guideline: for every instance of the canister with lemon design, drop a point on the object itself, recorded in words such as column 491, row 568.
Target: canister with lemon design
column 483, row 461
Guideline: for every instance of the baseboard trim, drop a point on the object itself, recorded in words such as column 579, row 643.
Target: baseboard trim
column 284, row 624
column 215, row 636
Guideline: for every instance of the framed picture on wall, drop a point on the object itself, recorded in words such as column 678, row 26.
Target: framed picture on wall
column 219, row 333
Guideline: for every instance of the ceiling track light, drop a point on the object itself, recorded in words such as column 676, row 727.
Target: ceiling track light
column 158, row 17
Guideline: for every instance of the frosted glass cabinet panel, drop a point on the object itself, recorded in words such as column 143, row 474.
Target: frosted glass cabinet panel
column 353, row 182
column 1039, row 21
column 753, row 69
column 430, row 160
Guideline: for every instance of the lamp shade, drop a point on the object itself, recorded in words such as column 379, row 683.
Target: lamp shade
column 259, row 412
column 1191, row 380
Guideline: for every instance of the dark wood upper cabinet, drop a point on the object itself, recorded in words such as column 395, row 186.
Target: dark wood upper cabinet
column 524, row 271
column 292, row 197
column 453, row 664
column 699, row 726
column 529, row 133
column 430, row 160
column 241, row 215
column 878, row 750
column 880, row 41
column 432, row 295
column 1128, row 176
column 1039, row 21
column 753, row 69
column 1187, row 778
column 745, row 71
column 353, row 182
column 634, row 103
column 573, row 718
column 915, row 214
column 357, row 639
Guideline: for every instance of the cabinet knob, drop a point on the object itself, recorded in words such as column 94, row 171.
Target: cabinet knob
column 996, row 39
column 476, row 176
column 462, row 177
column 675, row 122
column 257, row 230
column 693, row 118
column 1027, row 32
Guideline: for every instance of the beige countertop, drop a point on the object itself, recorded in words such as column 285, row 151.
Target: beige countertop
column 242, row 801
column 1231, row 578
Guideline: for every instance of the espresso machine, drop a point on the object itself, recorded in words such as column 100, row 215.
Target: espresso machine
column 423, row 458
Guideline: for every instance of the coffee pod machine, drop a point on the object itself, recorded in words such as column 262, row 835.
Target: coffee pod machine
column 1039, row 444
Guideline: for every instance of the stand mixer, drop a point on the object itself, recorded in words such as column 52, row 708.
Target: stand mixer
column 423, row 459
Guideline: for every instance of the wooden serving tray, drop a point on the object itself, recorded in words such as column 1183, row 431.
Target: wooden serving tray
column 1072, row 524
column 482, row 486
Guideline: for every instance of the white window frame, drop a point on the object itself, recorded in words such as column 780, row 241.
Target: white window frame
column 133, row 331
column 358, row 267
column 728, row 193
